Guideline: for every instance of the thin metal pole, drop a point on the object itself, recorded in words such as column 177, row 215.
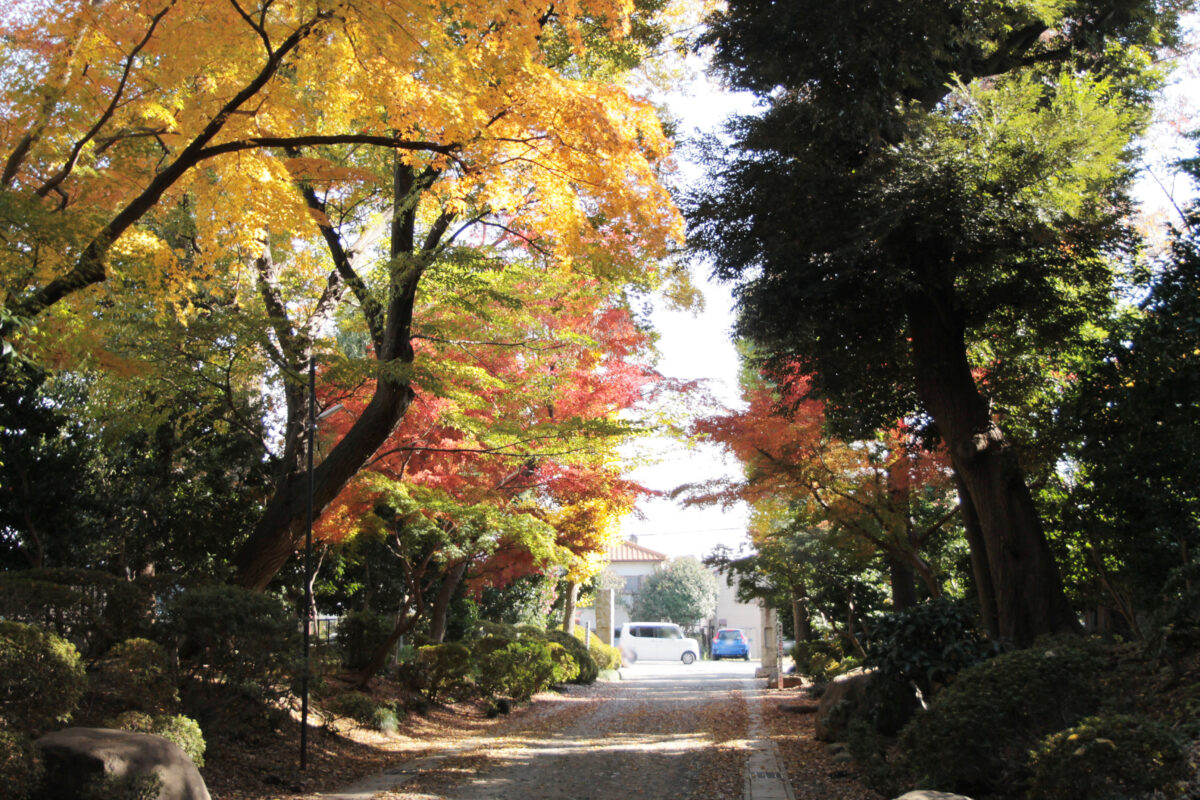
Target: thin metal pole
column 312, row 435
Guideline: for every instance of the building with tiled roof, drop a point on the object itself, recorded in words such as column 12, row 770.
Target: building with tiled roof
column 629, row 551
column 632, row 563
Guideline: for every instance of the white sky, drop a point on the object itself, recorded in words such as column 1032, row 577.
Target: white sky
column 693, row 347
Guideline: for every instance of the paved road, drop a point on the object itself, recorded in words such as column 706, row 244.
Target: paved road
column 665, row 731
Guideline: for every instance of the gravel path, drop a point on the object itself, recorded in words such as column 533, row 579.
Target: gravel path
column 666, row 731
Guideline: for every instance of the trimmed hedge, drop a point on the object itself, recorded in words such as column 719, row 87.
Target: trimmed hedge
column 183, row 731
column 605, row 655
column 20, row 769
column 518, row 670
column 587, row 668
column 439, row 671
column 137, row 675
column 41, row 678
column 978, row 731
column 238, row 651
column 1107, row 758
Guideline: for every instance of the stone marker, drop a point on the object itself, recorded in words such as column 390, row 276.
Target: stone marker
column 76, row 755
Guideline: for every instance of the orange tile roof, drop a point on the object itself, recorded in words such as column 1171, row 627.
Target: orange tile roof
column 632, row 551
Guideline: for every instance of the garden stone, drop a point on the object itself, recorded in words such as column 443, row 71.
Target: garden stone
column 925, row 794
column 76, row 755
column 844, row 698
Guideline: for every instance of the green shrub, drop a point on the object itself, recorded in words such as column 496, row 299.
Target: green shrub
column 915, row 652
column 820, row 659
column 1107, row 758
column 518, row 670
column 41, row 678
column 605, row 655
column 501, row 630
column 566, row 668
column 360, row 634
column 978, row 731
column 1177, row 618
column 587, row 670
column 183, row 731
column 485, row 645
column 927, row 644
column 439, row 671
column 238, row 651
column 136, row 673
column 134, row 786
column 20, row 769
column 869, row 749
column 364, row 710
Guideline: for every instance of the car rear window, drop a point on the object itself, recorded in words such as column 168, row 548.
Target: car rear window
column 730, row 636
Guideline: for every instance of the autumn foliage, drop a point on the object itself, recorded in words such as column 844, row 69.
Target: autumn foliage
column 448, row 187
column 525, row 424
column 887, row 495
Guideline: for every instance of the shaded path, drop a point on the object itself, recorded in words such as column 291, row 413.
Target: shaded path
column 667, row 731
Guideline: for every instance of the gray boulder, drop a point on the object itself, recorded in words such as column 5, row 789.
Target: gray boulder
column 926, row 794
column 845, row 698
column 75, row 756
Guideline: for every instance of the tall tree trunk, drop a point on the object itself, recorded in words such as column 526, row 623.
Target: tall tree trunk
column 801, row 627
column 904, row 584
column 979, row 561
column 405, row 622
column 440, row 612
column 1029, row 595
column 569, row 601
column 281, row 528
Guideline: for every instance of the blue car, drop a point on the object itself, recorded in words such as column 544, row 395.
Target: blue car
column 730, row 643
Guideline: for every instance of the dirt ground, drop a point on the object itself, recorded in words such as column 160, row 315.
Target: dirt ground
column 654, row 736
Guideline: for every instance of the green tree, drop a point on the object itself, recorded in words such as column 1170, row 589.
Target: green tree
column 929, row 189
column 683, row 592
column 45, row 470
column 1132, row 504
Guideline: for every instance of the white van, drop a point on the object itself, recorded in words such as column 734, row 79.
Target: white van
column 655, row 641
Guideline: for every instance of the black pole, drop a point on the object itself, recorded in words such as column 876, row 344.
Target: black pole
column 312, row 435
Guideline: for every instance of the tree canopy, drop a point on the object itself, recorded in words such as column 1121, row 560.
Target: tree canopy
column 929, row 188
column 683, row 592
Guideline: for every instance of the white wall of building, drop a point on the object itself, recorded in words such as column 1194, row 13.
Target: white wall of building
column 730, row 612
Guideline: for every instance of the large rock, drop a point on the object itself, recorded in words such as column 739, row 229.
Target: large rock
column 844, row 699
column 926, row 794
column 76, row 755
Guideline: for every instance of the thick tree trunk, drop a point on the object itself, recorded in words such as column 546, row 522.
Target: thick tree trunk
column 801, row 627
column 439, row 614
column 904, row 584
column 281, row 528
column 979, row 561
column 569, row 601
column 1029, row 596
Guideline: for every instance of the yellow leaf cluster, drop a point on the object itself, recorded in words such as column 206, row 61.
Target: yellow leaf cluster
column 587, row 529
column 111, row 111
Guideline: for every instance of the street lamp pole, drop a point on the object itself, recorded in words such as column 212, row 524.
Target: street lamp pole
column 312, row 435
